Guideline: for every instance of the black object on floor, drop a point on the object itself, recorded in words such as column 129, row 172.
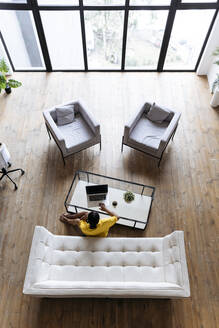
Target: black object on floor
column 6, row 173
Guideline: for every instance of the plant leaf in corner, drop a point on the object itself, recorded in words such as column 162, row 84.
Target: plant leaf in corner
column 14, row 83
column 2, row 81
column 3, row 66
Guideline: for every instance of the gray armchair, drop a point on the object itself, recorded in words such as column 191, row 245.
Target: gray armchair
column 71, row 138
column 148, row 136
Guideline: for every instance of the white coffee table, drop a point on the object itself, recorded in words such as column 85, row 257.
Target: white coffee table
column 134, row 214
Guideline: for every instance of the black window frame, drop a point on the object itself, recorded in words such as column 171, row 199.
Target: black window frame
column 35, row 8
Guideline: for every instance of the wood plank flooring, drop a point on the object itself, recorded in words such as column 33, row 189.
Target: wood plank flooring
column 186, row 198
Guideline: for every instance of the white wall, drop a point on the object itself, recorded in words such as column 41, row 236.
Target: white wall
column 207, row 66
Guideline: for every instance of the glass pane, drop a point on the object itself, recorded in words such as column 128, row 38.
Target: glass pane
column 58, row 2
column 103, row 2
column 21, row 39
column 188, row 34
column 14, row 1
column 104, row 31
column 63, row 35
column 198, row 1
column 150, row 2
column 145, row 35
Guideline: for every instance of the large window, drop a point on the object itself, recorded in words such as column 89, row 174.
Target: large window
column 185, row 44
column 145, row 35
column 19, row 32
column 106, row 35
column 104, row 38
column 63, row 39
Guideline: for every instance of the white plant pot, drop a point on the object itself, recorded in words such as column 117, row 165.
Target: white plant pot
column 215, row 98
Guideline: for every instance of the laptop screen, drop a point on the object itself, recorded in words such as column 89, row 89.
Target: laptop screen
column 97, row 189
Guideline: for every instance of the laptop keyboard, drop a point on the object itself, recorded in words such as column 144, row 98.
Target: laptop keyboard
column 97, row 197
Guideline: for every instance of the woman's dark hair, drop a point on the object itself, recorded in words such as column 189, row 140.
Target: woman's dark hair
column 93, row 219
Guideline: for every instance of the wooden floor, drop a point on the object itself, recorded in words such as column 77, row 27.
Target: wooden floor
column 186, row 198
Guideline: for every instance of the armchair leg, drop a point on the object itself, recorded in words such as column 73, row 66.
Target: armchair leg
column 63, row 158
column 48, row 132
column 122, row 145
column 174, row 132
column 158, row 165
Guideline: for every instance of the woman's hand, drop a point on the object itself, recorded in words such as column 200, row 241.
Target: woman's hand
column 102, row 207
column 84, row 216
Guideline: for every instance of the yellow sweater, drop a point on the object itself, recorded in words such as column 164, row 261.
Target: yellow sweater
column 102, row 228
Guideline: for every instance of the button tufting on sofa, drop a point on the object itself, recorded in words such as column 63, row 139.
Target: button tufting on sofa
column 106, row 267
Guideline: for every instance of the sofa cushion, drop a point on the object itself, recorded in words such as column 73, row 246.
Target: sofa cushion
column 104, row 273
column 65, row 114
column 134, row 285
column 157, row 114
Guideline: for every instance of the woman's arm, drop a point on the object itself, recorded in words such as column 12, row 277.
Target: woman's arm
column 103, row 208
column 80, row 215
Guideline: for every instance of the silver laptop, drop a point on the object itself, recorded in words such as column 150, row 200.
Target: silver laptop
column 96, row 194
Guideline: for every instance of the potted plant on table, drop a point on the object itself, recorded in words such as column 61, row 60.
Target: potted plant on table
column 215, row 85
column 5, row 83
column 128, row 196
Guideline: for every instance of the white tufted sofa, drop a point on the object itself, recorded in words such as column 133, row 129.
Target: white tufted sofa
column 66, row 266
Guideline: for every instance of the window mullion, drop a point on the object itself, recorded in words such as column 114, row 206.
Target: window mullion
column 83, row 34
column 167, row 33
column 206, row 38
column 125, row 31
column 41, row 34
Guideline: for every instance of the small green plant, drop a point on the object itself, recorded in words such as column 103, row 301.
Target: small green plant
column 215, row 84
column 216, row 54
column 129, row 196
column 4, row 82
column 216, row 81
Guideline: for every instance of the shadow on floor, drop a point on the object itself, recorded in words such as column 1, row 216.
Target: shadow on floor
column 98, row 313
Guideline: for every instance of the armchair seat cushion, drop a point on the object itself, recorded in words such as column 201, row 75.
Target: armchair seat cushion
column 76, row 133
column 148, row 133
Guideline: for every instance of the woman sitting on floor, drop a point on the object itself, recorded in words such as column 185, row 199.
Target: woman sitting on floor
column 90, row 223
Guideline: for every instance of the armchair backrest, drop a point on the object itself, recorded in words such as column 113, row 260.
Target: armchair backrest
column 134, row 120
column 171, row 127
column 52, row 112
